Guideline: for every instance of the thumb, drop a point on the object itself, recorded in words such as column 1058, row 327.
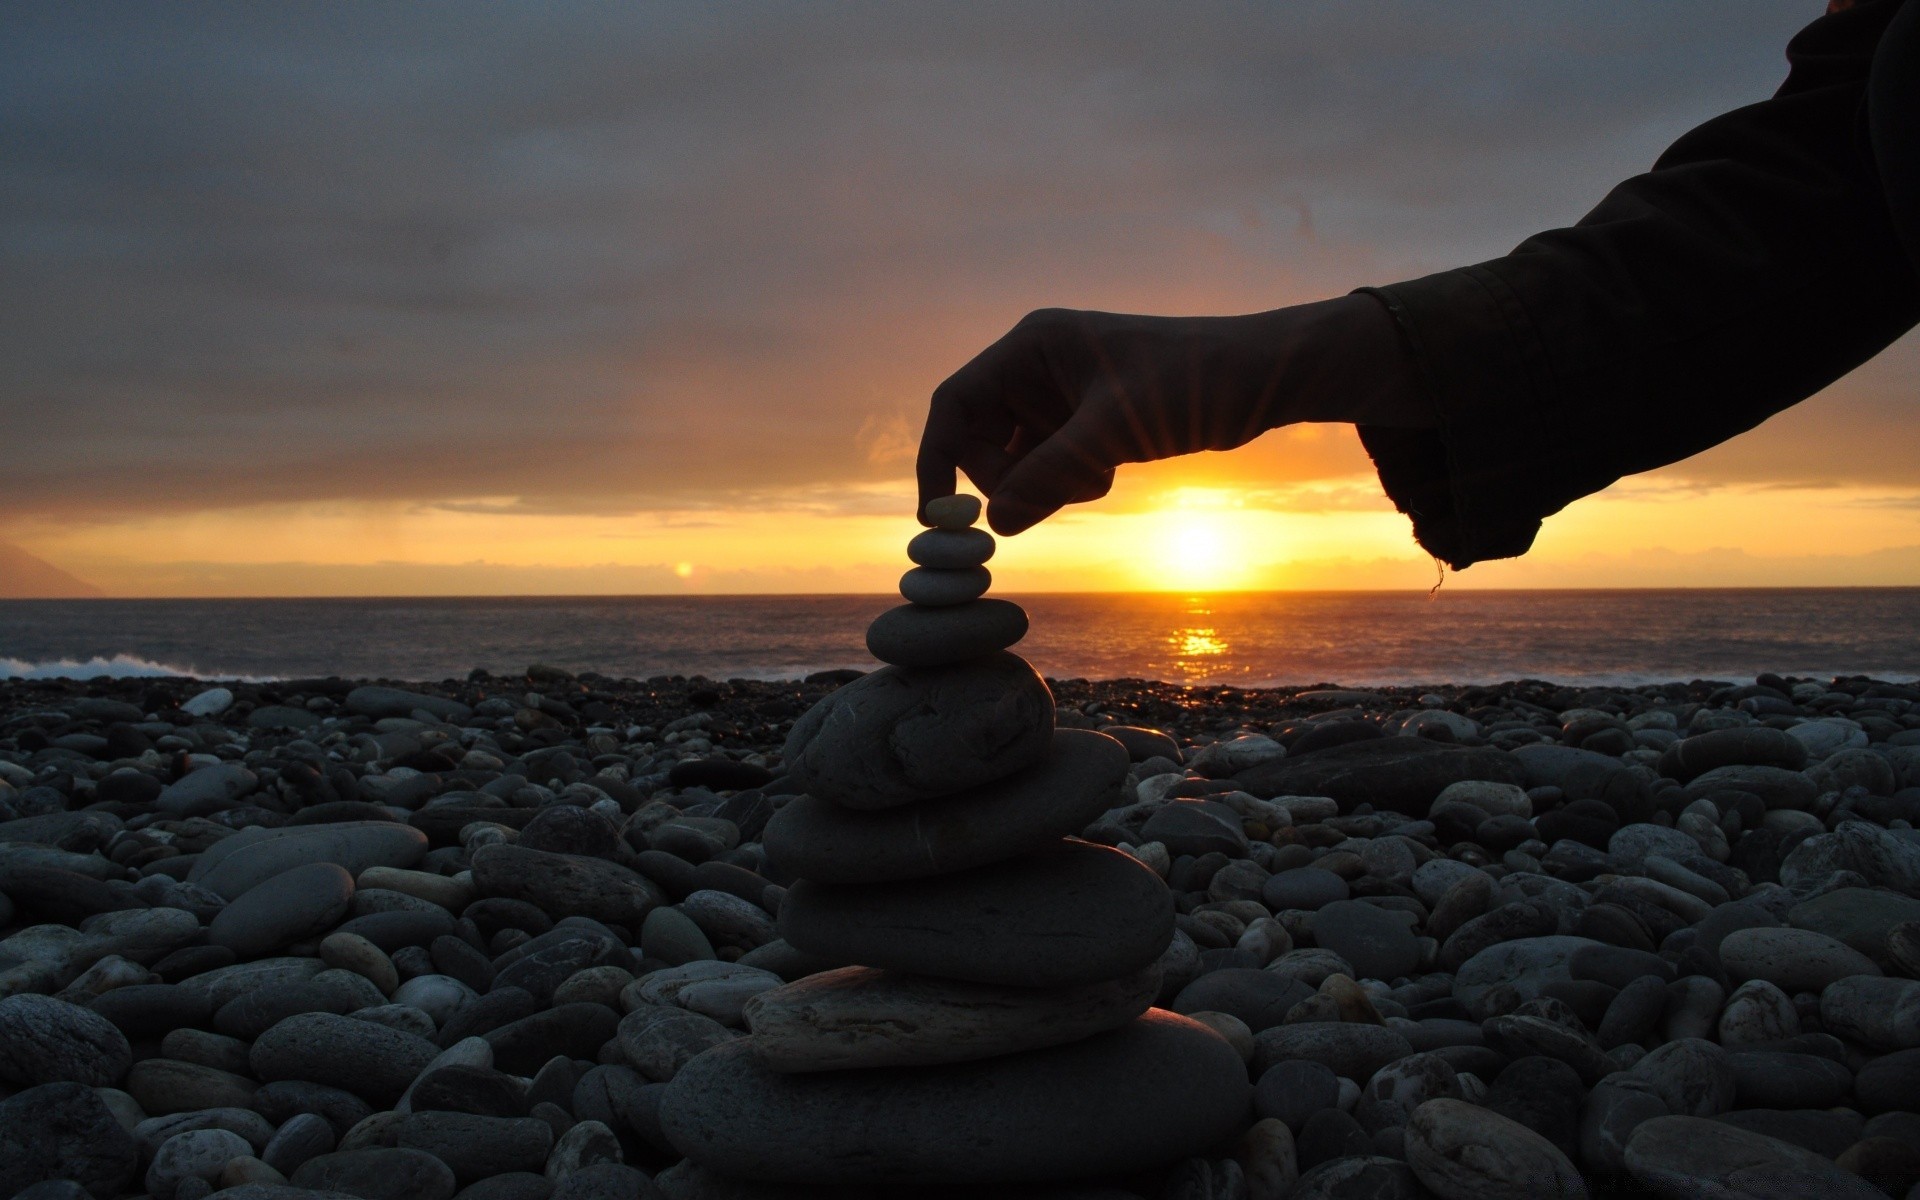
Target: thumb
column 1066, row 468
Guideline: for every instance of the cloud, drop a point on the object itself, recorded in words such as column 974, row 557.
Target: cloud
column 624, row 258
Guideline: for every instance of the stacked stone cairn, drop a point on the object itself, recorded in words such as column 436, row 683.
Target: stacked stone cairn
column 997, row 1027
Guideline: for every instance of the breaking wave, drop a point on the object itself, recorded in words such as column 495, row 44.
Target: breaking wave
column 120, row 666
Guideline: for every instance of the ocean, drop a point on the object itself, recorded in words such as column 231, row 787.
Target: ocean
column 1244, row 638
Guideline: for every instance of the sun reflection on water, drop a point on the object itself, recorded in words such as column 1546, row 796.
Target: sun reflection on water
column 1195, row 638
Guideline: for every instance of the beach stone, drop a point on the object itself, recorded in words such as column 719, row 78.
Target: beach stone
column 236, row 864
column 1883, row 1013
column 1543, row 1094
column 1494, row 799
column 209, row 703
column 957, row 511
column 163, row 1085
column 1143, row 743
column 1196, row 828
column 150, row 1010
column 913, row 635
column 1860, row 917
column 1747, row 745
column 197, row 1154
column 290, row 907
column 1777, row 787
column 1525, row 967
column 672, row 937
column 1353, row 1050
column 602, row 1181
column 1402, row 774
column 1692, row 1076
column 1881, row 856
column 207, row 790
column 1461, row 1151
column 1378, row 943
column 658, row 1042
column 64, row 1131
column 378, row 1173
column 1260, row 998
column 1757, row 1012
column 1358, row 1177
column 475, row 1147
column 1795, row 960
column 903, row 734
column 358, row 1056
column 1889, row 1083
column 1307, row 888
column 1771, row 1079
column 377, row 702
column 1074, row 913
column 860, row 1017
column 1688, row 1158
column 1081, row 777
column 44, row 1040
column 1292, row 1090
column 938, row 588
column 575, row 1030
column 1617, row 1105
column 1860, row 768
column 951, row 549
column 566, row 885
column 1389, row 1098
column 301, row 1137
column 1056, row 1113
column 1825, row 1132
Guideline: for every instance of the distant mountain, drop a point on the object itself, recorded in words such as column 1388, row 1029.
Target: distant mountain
column 24, row 577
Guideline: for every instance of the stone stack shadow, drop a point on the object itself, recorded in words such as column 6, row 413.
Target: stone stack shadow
column 997, row 1028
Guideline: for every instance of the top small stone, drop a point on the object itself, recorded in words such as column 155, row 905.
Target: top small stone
column 953, row 512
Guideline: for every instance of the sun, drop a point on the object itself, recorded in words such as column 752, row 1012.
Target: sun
column 1196, row 551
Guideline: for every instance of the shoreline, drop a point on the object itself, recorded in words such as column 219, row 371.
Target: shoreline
column 1539, row 903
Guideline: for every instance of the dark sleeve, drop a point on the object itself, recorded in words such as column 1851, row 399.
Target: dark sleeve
column 1752, row 266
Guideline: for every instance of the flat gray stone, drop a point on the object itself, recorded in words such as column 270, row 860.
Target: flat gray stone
column 1074, row 913
column 1690, row 1158
column 237, row 864
column 1352, row 1049
column 207, row 790
column 904, row 734
column 1883, row 1013
column 1157, row 1090
column 816, row 839
column 1860, row 917
column 1794, row 960
column 937, row 587
column 376, row 702
column 378, row 1173
column 293, row 906
column 44, row 1040
column 566, row 885
column 913, row 635
column 951, row 549
column 1883, row 856
column 1461, row 1151
column 64, row 1131
column 860, row 1017
column 357, row 1056
column 1378, row 942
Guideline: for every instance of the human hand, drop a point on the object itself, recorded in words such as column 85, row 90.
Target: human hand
column 1042, row 417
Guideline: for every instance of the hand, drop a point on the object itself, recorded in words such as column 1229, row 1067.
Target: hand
column 1042, row 417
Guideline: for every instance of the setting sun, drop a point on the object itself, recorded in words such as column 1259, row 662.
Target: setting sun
column 1200, row 543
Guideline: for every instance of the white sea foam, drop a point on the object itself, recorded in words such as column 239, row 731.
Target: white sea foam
column 120, row 666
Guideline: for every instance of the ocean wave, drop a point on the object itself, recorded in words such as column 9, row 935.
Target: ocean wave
column 120, row 666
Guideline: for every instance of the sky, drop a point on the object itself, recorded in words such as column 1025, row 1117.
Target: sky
column 598, row 298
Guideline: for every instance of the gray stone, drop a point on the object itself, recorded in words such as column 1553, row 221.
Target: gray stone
column 377, row 702
column 1358, row 1177
column 1770, row 1079
column 1860, row 917
column 1632, row 843
column 1402, row 774
column 1351, row 1049
column 859, row 1017
column 44, row 1040
column 207, row 790
column 301, row 1137
column 197, row 1154
column 816, row 839
column 1776, row 786
column 566, row 885
column 1862, row 768
column 1692, row 1077
column 1881, row 855
column 912, row 635
column 1687, row 1158
column 1758, row 1012
column 658, row 1042
column 904, row 734
column 951, row 549
column 1389, row 1098
column 936, row 587
column 64, row 1131
column 1747, row 745
column 378, row 1173
column 1461, row 1151
column 1057, row 1113
column 1378, row 942
column 672, row 937
column 1794, row 960
column 1075, row 913
column 475, row 1147
column 164, row 1085
column 1525, row 967
column 358, row 1056
column 1195, row 827
column 1883, row 1013
column 250, row 1127
column 237, row 864
column 1303, row 887
column 293, row 906
column 1294, row 1089
column 1258, row 997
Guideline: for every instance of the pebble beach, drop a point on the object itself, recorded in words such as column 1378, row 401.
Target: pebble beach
column 364, row 938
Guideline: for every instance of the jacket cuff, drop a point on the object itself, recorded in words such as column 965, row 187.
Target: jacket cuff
column 1476, row 486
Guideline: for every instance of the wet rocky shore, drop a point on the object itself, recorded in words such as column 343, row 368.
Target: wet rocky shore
column 426, row 939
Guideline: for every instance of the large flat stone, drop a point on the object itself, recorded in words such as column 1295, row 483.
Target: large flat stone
column 812, row 838
column 234, row 865
column 1159, row 1089
column 860, row 1017
column 1074, row 913
column 903, row 734
column 1403, row 774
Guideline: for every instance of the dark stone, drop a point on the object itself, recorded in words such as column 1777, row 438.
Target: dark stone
column 570, row 829
column 1261, row 998
column 1403, row 774
column 64, row 1131
column 1544, row 1094
column 575, row 1030
column 1331, row 1134
column 468, row 1089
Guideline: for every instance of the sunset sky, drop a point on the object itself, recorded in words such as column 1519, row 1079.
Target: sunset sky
column 578, row 298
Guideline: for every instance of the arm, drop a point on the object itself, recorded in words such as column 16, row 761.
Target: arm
column 1754, row 265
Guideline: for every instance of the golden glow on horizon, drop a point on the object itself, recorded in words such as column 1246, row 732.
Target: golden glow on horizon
column 1160, row 532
